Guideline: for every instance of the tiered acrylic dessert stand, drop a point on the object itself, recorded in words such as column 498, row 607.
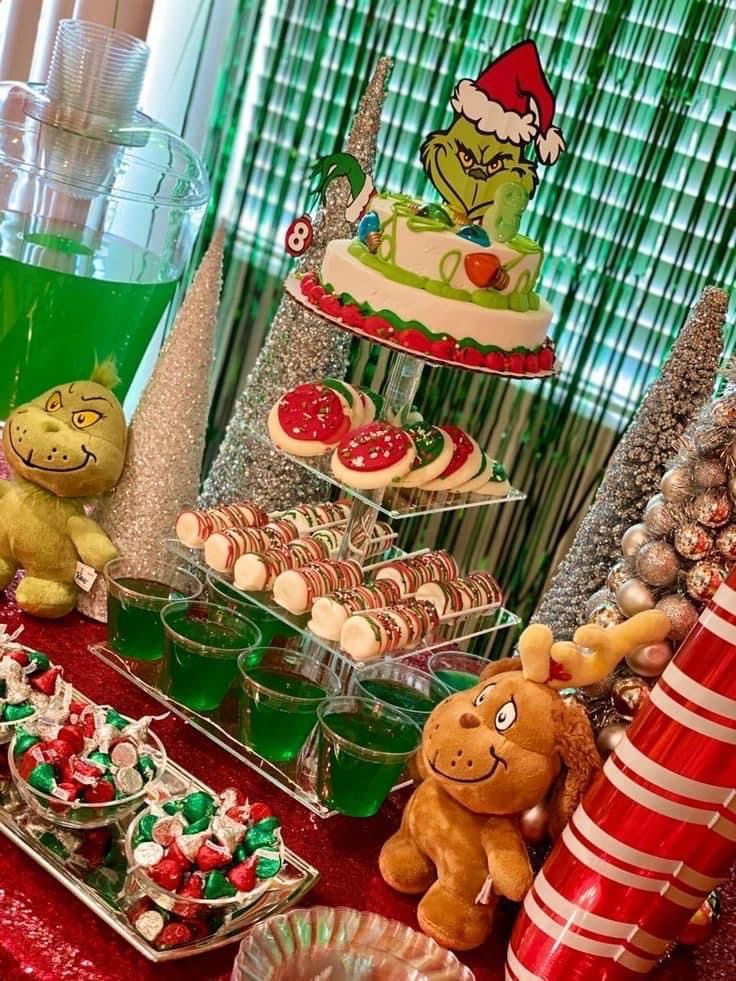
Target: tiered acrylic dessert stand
column 394, row 504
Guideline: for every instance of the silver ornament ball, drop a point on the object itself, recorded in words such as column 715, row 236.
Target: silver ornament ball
column 633, row 597
column 602, row 595
column 618, row 575
column 650, row 660
column 712, row 508
column 703, row 579
column 692, row 541
column 675, row 485
column 656, row 563
column 633, row 539
column 658, row 518
column 609, row 737
column 606, row 615
column 681, row 613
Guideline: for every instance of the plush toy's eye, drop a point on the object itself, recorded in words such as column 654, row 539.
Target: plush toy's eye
column 505, row 717
column 53, row 402
column 482, row 696
column 85, row 418
column 465, row 158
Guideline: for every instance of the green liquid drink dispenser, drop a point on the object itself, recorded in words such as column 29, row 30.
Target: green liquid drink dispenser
column 99, row 210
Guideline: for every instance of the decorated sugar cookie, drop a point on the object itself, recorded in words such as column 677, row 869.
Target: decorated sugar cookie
column 352, row 396
column 464, row 464
column 434, row 450
column 498, row 485
column 373, row 455
column 309, row 419
column 484, row 474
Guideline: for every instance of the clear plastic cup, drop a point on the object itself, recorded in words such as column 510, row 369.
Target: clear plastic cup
column 364, row 746
column 457, row 670
column 401, row 686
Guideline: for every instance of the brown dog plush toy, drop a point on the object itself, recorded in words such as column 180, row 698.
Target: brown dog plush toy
column 488, row 754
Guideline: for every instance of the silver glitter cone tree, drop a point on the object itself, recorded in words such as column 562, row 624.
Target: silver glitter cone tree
column 167, row 433
column 300, row 347
column 636, row 466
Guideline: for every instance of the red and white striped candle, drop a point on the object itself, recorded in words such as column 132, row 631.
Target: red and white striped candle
column 656, row 831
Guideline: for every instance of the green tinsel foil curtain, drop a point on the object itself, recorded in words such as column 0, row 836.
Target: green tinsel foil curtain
column 635, row 218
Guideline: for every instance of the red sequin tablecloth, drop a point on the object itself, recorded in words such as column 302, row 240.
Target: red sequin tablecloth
column 48, row 935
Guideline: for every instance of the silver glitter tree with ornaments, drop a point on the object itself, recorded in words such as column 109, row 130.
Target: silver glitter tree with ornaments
column 675, row 555
column 636, row 466
column 167, row 434
column 300, row 347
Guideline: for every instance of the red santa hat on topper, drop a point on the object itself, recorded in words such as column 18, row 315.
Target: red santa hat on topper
column 512, row 100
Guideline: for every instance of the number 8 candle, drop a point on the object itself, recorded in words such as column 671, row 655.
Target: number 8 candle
column 655, row 832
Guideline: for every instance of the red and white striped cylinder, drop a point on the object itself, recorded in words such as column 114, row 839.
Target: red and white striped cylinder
column 654, row 834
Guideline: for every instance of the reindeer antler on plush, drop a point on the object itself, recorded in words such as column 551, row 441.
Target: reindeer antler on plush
column 593, row 652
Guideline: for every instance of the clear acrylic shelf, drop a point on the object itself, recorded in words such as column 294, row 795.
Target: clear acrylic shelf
column 456, row 631
column 398, row 502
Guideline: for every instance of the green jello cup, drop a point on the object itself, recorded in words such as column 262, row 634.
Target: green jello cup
column 136, row 593
column 274, row 632
column 363, row 748
column 202, row 643
column 457, row 670
column 281, row 691
column 401, row 686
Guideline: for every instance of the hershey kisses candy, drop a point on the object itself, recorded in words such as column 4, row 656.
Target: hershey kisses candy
column 148, row 853
column 128, row 781
column 149, row 924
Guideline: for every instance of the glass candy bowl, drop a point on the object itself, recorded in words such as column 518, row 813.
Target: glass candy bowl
column 344, row 945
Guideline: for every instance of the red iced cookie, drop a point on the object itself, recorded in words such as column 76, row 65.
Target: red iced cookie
column 373, row 455
column 309, row 419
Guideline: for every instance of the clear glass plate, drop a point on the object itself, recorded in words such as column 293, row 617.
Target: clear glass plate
column 325, row 944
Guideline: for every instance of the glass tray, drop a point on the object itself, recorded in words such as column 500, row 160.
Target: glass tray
column 456, row 631
column 108, row 889
column 397, row 503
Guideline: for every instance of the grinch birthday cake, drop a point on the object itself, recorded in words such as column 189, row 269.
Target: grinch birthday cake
column 455, row 281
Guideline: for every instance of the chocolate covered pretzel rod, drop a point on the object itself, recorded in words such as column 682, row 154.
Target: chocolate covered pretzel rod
column 394, row 628
column 382, row 537
column 330, row 612
column 258, row 570
column 193, row 528
column 223, row 548
column 410, row 574
column 477, row 590
column 297, row 589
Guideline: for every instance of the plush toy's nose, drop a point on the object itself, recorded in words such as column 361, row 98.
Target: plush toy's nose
column 469, row 721
column 479, row 173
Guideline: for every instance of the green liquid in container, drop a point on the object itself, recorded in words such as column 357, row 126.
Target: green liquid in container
column 65, row 304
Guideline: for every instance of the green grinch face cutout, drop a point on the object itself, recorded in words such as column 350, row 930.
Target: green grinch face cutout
column 508, row 107
column 468, row 168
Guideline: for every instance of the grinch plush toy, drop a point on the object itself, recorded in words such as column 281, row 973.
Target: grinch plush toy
column 490, row 753
column 65, row 447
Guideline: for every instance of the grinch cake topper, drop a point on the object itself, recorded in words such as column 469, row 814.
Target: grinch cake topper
column 509, row 106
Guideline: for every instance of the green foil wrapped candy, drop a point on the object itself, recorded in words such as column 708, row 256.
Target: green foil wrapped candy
column 148, row 768
column 52, row 843
column 114, row 718
column 102, row 758
column 40, row 660
column 198, row 805
column 12, row 713
column 24, row 740
column 43, row 778
column 261, row 835
column 268, row 865
column 196, row 826
column 217, row 885
column 144, row 831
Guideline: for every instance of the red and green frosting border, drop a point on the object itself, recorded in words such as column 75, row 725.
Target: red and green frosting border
column 414, row 336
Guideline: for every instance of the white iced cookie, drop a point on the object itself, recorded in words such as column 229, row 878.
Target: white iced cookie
column 372, row 456
column 498, row 485
column 297, row 589
column 330, row 612
column 309, row 420
column 434, row 450
column 352, row 396
column 464, row 464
